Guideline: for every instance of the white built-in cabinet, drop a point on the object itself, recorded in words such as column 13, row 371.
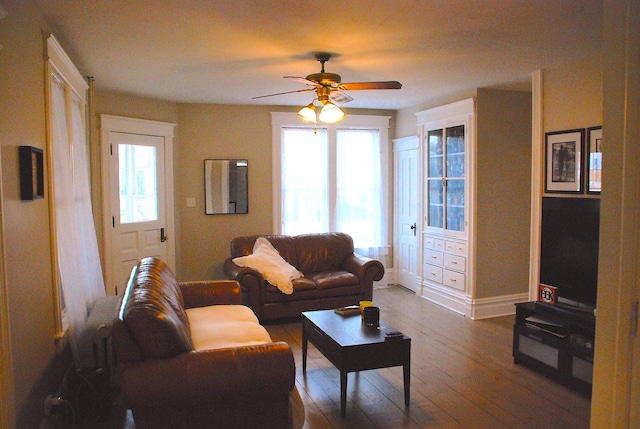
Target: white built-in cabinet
column 446, row 136
column 475, row 187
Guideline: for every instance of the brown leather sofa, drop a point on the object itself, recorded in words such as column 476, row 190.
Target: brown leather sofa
column 334, row 276
column 169, row 380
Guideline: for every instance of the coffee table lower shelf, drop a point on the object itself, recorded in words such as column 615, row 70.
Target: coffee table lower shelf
column 351, row 346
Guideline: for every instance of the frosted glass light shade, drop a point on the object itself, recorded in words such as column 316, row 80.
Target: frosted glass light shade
column 331, row 113
column 308, row 113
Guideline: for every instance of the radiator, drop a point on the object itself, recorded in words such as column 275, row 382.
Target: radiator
column 98, row 327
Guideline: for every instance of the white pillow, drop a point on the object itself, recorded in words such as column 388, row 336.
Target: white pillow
column 266, row 259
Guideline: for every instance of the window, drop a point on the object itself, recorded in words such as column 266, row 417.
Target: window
column 74, row 245
column 332, row 179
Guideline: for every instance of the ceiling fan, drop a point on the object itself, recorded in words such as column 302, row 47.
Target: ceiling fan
column 329, row 90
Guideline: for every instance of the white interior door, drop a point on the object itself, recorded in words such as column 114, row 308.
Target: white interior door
column 139, row 216
column 406, row 254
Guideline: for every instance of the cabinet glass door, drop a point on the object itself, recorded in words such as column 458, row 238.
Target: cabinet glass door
column 445, row 178
column 455, row 189
column 435, row 184
column 435, row 217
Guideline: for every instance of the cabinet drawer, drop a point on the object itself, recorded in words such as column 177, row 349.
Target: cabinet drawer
column 455, row 247
column 433, row 257
column 455, row 262
column 454, row 280
column 433, row 243
column 433, row 273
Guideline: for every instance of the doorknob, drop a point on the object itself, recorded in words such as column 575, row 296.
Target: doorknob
column 163, row 237
column 414, row 227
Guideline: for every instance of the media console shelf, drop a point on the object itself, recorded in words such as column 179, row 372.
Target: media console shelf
column 556, row 341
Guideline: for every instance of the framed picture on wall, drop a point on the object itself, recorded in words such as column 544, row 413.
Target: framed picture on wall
column 563, row 161
column 594, row 160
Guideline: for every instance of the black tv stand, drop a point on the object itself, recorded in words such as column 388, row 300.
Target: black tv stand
column 557, row 341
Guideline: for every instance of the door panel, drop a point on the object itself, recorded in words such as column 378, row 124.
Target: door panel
column 137, row 162
column 407, row 205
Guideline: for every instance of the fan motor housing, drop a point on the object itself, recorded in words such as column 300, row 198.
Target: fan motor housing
column 324, row 78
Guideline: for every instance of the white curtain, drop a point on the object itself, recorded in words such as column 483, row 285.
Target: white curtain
column 332, row 181
column 79, row 267
column 305, row 181
column 359, row 202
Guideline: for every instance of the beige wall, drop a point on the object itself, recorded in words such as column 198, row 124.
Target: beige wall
column 573, row 95
column 26, row 223
column 503, row 187
column 210, row 132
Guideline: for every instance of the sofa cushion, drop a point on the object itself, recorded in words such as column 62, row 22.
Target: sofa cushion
column 266, row 259
column 322, row 252
column 331, row 279
column 154, row 311
column 221, row 326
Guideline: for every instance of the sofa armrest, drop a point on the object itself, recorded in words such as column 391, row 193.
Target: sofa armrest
column 209, row 376
column 210, row 292
column 368, row 270
column 251, row 281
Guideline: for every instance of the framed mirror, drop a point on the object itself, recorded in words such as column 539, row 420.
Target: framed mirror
column 226, row 189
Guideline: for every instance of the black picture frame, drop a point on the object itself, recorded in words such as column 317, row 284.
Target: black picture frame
column 31, row 173
column 594, row 160
column 563, row 161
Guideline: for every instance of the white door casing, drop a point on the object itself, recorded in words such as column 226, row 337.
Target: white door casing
column 128, row 238
column 407, row 206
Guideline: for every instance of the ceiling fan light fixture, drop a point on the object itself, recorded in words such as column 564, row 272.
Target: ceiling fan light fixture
column 308, row 113
column 331, row 113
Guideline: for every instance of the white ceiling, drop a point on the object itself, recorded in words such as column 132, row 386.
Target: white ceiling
column 228, row 51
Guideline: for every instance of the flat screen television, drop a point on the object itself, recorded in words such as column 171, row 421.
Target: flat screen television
column 569, row 249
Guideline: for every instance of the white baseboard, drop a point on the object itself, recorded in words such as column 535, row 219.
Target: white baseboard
column 447, row 298
column 496, row 306
column 476, row 309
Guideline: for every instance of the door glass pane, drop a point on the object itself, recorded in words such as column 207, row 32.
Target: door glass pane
column 455, row 205
column 138, row 183
column 435, row 216
column 435, row 153
column 455, row 151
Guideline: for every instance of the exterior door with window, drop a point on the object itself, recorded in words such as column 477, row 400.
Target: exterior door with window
column 138, row 219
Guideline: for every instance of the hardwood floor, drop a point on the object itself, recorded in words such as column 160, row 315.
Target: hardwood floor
column 462, row 376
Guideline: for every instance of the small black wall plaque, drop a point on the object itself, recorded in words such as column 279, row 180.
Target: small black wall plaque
column 31, row 173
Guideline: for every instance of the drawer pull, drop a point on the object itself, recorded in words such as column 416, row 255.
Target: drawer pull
column 432, row 273
column 454, row 262
column 434, row 257
column 453, row 280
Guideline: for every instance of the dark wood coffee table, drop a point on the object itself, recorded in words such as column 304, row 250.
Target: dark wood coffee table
column 351, row 346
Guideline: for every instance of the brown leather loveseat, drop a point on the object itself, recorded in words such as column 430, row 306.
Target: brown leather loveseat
column 190, row 355
column 333, row 275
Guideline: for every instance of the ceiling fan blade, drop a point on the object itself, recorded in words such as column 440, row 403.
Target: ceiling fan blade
column 340, row 97
column 283, row 93
column 302, row 79
column 352, row 86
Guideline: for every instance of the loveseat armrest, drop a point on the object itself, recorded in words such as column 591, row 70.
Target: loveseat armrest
column 251, row 281
column 368, row 270
column 209, row 376
column 211, row 292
